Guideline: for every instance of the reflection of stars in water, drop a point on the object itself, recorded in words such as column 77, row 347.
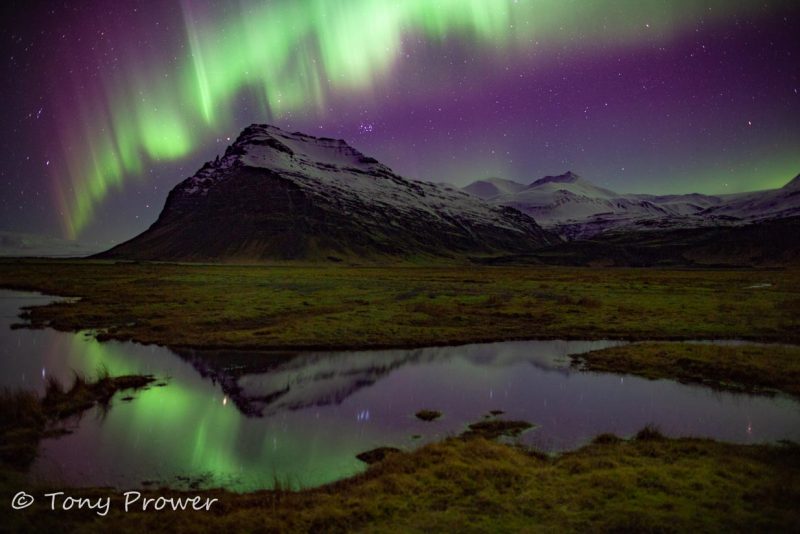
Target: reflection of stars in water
column 366, row 128
column 362, row 415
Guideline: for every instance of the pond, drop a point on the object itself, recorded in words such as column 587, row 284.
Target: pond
column 245, row 420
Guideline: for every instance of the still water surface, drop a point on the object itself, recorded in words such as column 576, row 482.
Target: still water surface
column 245, row 420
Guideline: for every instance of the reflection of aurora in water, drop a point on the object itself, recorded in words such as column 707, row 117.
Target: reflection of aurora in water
column 339, row 405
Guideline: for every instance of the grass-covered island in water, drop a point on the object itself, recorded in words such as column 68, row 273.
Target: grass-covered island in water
column 317, row 307
column 25, row 419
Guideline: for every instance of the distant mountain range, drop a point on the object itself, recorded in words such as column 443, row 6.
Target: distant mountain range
column 276, row 195
column 770, row 243
column 33, row 245
column 577, row 209
column 289, row 196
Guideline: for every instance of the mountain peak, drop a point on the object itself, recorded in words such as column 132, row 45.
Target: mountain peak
column 492, row 187
column 292, row 196
column 256, row 129
column 270, row 147
column 794, row 183
column 267, row 134
column 568, row 177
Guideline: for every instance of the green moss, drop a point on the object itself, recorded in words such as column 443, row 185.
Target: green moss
column 480, row 485
column 318, row 307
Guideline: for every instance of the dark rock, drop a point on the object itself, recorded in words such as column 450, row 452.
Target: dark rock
column 377, row 455
column 428, row 415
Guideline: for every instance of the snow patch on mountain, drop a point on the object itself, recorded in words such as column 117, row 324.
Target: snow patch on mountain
column 576, row 208
column 492, row 187
column 325, row 166
column 280, row 195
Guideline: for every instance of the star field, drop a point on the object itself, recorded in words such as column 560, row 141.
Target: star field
column 107, row 105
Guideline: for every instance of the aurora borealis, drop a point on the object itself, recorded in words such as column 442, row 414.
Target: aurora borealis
column 108, row 104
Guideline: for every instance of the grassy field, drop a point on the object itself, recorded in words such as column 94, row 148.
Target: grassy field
column 750, row 368
column 470, row 483
column 315, row 307
column 473, row 484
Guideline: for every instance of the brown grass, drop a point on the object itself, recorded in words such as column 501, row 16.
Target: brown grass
column 750, row 368
column 25, row 418
column 319, row 307
column 477, row 485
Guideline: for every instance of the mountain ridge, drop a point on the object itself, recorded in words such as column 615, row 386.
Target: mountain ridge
column 275, row 195
column 493, row 186
column 575, row 208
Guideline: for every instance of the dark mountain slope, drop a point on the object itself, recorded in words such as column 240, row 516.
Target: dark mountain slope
column 774, row 243
column 276, row 195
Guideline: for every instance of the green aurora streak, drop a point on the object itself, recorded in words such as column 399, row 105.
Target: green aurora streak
column 295, row 54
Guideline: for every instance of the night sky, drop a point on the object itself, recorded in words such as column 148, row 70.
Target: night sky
column 107, row 104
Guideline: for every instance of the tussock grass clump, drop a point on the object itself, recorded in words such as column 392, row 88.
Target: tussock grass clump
column 495, row 428
column 85, row 393
column 21, row 423
column 650, row 433
column 25, row 418
column 18, row 408
column 479, row 485
column 606, row 439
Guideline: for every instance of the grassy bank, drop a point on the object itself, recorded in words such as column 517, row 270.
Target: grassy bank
column 477, row 485
column 25, row 418
column 292, row 307
column 750, row 368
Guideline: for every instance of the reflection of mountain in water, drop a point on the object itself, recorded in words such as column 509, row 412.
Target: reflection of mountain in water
column 262, row 383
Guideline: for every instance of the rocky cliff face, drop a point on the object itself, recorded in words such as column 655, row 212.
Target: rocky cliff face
column 290, row 196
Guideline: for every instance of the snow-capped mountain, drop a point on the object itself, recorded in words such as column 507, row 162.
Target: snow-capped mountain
column 760, row 205
column 576, row 208
column 492, row 187
column 281, row 195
